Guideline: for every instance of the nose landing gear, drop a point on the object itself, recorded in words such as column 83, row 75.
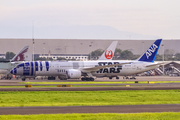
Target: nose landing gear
column 112, row 77
column 23, row 79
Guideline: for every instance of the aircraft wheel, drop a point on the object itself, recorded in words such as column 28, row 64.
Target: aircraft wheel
column 110, row 77
column 83, row 79
column 91, row 79
column 117, row 77
column 87, row 79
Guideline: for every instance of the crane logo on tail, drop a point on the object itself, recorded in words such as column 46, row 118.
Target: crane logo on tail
column 108, row 54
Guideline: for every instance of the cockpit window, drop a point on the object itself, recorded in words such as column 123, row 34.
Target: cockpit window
column 20, row 65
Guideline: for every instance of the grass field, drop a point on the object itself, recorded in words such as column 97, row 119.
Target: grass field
column 88, row 98
column 99, row 116
column 71, row 86
column 93, row 82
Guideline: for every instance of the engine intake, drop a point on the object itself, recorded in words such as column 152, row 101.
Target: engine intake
column 73, row 74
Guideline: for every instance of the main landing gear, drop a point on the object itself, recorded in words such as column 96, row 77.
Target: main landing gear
column 112, row 77
column 63, row 78
column 87, row 79
column 51, row 78
column 126, row 77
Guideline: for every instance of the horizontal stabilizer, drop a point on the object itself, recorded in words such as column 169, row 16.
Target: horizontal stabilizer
column 154, row 64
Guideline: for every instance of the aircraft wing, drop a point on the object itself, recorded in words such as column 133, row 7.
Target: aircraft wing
column 101, row 67
column 155, row 64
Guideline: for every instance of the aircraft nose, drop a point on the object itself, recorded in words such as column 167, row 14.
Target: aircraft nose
column 12, row 71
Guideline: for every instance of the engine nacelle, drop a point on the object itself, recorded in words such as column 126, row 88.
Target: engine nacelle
column 73, row 74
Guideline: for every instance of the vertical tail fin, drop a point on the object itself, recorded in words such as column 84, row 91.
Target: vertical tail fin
column 109, row 52
column 21, row 55
column 150, row 54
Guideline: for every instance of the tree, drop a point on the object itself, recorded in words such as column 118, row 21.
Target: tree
column 159, row 57
column 96, row 53
column 126, row 55
column 168, row 54
column 177, row 56
column 9, row 55
column 117, row 53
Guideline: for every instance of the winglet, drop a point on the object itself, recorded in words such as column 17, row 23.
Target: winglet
column 150, row 54
column 109, row 52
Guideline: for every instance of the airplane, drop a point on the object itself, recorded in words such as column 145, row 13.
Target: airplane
column 6, row 66
column 88, row 70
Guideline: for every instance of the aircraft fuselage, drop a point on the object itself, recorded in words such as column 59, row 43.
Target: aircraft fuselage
column 58, row 68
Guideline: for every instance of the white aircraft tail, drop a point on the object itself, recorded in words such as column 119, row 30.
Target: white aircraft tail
column 109, row 52
column 22, row 55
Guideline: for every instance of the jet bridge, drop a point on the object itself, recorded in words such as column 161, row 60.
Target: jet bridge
column 175, row 69
column 159, row 71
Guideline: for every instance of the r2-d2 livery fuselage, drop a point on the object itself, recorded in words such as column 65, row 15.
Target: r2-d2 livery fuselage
column 73, row 69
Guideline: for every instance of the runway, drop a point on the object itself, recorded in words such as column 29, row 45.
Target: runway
column 144, row 86
column 89, row 88
column 90, row 109
column 105, row 79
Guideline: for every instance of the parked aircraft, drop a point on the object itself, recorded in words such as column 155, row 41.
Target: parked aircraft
column 109, row 52
column 90, row 69
column 6, row 66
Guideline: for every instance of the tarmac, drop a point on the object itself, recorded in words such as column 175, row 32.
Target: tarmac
column 94, row 109
column 90, row 109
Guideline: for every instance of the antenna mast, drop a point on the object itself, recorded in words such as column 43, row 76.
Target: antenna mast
column 33, row 40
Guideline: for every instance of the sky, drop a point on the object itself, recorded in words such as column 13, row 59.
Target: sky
column 147, row 17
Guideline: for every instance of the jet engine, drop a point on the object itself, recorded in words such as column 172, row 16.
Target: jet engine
column 73, row 74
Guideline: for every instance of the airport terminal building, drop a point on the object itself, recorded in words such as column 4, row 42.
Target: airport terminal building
column 80, row 48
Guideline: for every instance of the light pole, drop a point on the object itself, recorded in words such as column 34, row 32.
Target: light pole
column 90, row 52
column 163, row 58
column 65, row 51
column 33, row 39
column 44, row 48
column 33, row 49
column 143, row 46
column 81, row 50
